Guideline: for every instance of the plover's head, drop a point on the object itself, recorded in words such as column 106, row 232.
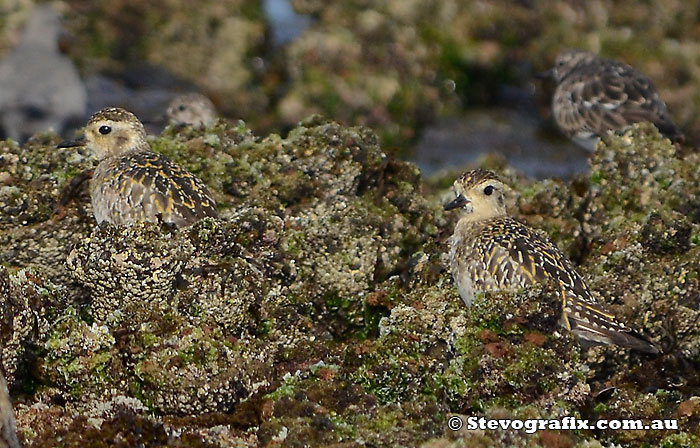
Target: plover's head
column 113, row 131
column 568, row 60
column 191, row 108
column 479, row 194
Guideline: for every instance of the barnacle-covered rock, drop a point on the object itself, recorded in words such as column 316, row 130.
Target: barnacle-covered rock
column 198, row 370
column 505, row 344
column 32, row 178
column 131, row 271
column 79, row 358
column 27, row 301
column 643, row 250
column 318, row 308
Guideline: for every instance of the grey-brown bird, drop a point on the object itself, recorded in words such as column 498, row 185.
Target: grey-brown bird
column 8, row 435
column 595, row 95
column 191, row 109
column 40, row 88
column 131, row 183
column 490, row 251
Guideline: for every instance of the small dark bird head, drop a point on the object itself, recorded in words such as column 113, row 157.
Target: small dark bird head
column 191, row 108
column 565, row 62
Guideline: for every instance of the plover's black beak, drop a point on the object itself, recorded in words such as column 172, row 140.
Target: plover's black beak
column 80, row 141
column 548, row 74
column 457, row 202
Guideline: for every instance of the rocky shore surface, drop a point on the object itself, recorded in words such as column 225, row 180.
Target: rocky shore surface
column 317, row 311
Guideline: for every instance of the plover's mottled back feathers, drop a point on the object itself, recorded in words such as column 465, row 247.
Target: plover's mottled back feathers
column 596, row 95
column 490, row 251
column 146, row 186
column 133, row 184
column 591, row 322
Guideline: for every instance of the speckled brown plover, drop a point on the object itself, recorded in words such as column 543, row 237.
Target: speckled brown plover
column 131, row 183
column 490, row 251
column 595, row 95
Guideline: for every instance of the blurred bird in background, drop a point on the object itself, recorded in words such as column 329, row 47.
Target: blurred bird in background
column 40, row 88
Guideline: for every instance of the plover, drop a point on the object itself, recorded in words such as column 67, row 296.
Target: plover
column 191, row 109
column 595, row 95
column 490, row 251
column 131, row 183
column 40, row 88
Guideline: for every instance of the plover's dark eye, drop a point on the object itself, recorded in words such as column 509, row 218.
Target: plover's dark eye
column 104, row 130
column 488, row 190
column 181, row 107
